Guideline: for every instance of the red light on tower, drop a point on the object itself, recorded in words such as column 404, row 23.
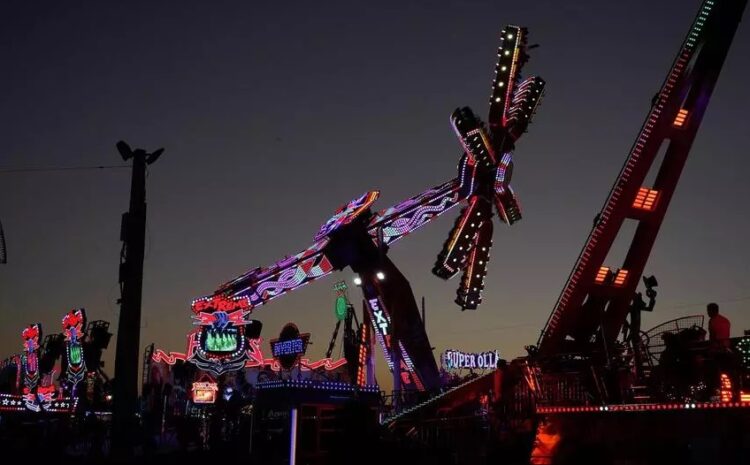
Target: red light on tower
column 725, row 388
column 622, row 275
column 646, row 199
column 602, row 274
column 680, row 119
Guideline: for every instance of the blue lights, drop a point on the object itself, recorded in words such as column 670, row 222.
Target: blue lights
column 318, row 385
column 288, row 347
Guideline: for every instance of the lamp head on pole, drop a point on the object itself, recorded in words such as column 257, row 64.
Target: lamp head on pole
column 127, row 153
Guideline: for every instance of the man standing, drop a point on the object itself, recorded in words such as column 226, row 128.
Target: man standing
column 718, row 327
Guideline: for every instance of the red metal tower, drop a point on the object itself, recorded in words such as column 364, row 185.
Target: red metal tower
column 595, row 301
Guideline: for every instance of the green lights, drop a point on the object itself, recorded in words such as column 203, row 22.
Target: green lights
column 341, row 307
column 220, row 341
column 75, row 354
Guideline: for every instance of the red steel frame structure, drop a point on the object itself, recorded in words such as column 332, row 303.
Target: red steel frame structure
column 595, row 301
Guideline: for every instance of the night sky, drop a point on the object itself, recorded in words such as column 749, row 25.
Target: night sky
column 275, row 113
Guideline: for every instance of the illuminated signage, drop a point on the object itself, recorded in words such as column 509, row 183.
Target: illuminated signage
column 342, row 307
column 204, row 392
column 73, row 325
column 381, row 321
column 457, row 360
column 222, row 335
column 221, row 340
column 290, row 347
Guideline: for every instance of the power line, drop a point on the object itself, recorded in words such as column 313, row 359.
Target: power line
column 60, row 168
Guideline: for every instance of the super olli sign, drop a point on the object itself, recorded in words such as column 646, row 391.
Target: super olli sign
column 458, row 360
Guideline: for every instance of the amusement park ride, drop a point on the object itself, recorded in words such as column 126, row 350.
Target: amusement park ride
column 579, row 364
column 28, row 380
column 595, row 301
column 358, row 238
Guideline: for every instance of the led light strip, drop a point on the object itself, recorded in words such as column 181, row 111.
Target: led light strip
column 642, row 407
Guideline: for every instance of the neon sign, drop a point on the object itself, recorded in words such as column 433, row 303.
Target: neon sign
column 255, row 358
column 381, row 320
column 457, row 360
column 30, row 356
column 220, row 344
column 290, row 346
column 204, row 392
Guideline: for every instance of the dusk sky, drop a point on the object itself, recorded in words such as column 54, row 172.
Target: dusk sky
column 273, row 114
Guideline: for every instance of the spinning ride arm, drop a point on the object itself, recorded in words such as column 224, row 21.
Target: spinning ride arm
column 261, row 285
column 486, row 168
column 398, row 221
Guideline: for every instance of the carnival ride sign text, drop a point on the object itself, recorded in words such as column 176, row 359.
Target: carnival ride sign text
column 289, row 347
column 457, row 360
column 204, row 392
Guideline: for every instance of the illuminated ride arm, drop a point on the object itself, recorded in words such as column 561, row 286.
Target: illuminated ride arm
column 512, row 104
column 260, row 285
column 402, row 219
column 221, row 341
column 486, row 169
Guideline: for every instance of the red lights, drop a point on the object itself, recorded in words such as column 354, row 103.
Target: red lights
column 680, row 119
column 601, row 275
column 725, row 388
column 620, row 278
column 363, row 349
column 256, row 358
column 543, row 410
column 222, row 303
column 645, row 199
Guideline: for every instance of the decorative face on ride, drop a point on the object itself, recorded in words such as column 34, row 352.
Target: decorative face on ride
column 220, row 343
column 73, row 324
column 347, row 213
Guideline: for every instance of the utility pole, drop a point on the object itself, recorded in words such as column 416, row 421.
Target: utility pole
column 3, row 250
column 424, row 316
column 127, row 356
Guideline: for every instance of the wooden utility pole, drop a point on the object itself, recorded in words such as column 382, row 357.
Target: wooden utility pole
column 127, row 356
